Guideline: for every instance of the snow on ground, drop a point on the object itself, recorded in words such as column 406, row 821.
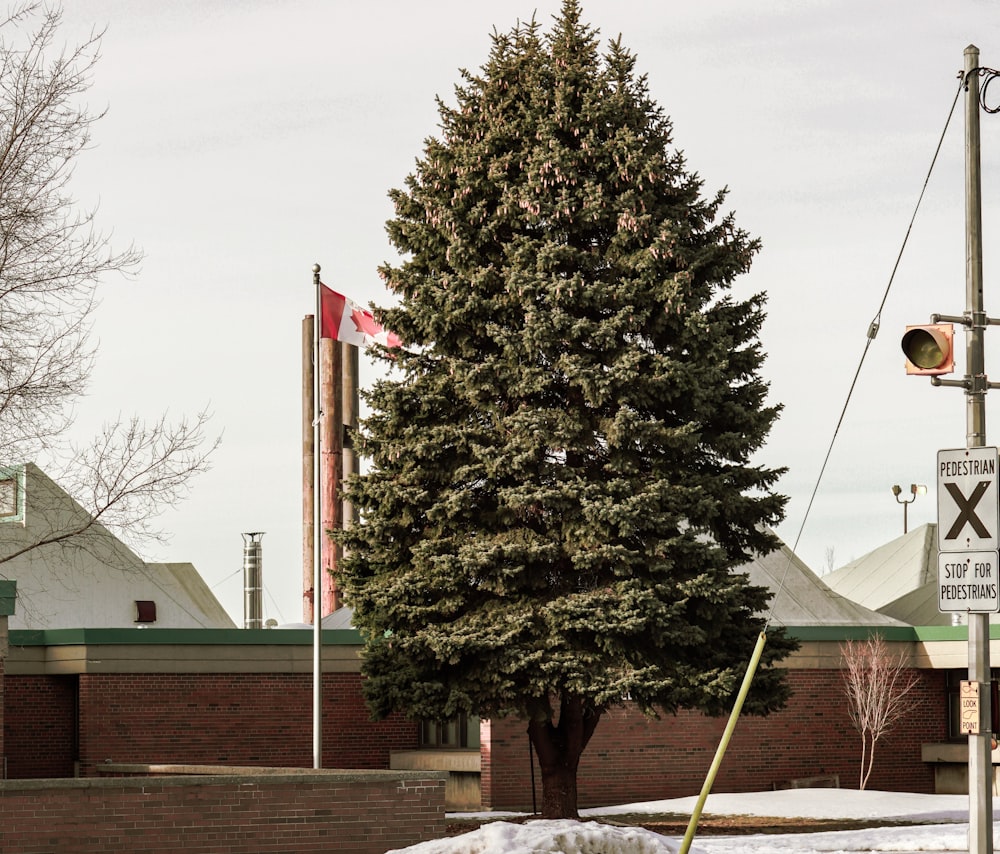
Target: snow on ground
column 812, row 803
column 944, row 827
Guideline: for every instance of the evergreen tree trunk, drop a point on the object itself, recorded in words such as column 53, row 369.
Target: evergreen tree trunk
column 559, row 747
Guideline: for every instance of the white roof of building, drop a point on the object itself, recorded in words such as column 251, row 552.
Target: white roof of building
column 898, row 579
column 92, row 579
column 801, row 598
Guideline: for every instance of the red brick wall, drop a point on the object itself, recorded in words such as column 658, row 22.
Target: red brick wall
column 631, row 758
column 234, row 719
column 3, row 756
column 266, row 719
column 349, row 734
column 39, row 726
column 232, row 815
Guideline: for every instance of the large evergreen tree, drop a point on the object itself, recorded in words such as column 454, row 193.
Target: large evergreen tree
column 561, row 481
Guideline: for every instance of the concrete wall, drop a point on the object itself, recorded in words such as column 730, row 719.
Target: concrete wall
column 296, row 811
column 462, row 793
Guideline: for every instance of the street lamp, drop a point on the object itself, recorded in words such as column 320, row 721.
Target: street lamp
column 915, row 490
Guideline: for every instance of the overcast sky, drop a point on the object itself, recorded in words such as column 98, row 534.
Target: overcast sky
column 247, row 141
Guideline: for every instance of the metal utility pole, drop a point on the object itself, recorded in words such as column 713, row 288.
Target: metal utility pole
column 317, row 541
column 915, row 490
column 968, row 511
column 980, row 750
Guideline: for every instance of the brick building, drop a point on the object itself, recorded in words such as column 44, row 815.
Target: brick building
column 75, row 701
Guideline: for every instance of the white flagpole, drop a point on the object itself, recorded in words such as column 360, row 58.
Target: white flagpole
column 317, row 539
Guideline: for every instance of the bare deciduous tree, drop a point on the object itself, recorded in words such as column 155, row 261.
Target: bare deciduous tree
column 877, row 684
column 52, row 257
column 126, row 477
column 830, row 560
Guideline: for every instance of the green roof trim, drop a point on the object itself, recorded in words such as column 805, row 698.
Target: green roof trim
column 939, row 633
column 890, row 633
column 152, row 637
column 351, row 637
column 8, row 598
column 851, row 632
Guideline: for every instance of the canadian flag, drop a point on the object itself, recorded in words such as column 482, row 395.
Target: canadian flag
column 344, row 320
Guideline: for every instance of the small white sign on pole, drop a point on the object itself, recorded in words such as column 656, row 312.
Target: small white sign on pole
column 969, row 696
column 969, row 582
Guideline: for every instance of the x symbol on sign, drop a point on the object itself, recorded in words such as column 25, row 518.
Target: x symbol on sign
column 965, row 509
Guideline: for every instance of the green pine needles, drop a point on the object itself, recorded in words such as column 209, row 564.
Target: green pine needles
column 561, row 480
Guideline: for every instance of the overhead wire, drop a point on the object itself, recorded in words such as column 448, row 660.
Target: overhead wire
column 267, row 591
column 873, row 328
column 762, row 637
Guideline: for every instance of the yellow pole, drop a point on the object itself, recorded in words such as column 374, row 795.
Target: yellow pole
column 723, row 744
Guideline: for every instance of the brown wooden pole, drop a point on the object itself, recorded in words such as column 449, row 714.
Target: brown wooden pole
column 331, row 467
column 308, row 469
column 352, row 459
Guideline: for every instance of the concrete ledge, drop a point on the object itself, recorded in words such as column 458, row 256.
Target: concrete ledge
column 820, row 781
column 463, row 790
column 70, row 659
column 436, row 760
column 951, row 751
column 128, row 775
column 951, row 766
column 188, row 769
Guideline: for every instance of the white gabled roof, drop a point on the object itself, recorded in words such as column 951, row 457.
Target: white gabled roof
column 801, row 598
column 898, row 579
column 91, row 580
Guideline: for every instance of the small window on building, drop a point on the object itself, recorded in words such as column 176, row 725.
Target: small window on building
column 8, row 496
column 461, row 733
column 145, row 611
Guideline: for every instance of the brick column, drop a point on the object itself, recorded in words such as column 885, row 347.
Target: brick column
column 8, row 594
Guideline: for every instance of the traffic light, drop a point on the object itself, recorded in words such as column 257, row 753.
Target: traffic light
column 930, row 349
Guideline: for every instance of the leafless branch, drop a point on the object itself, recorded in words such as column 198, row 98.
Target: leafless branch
column 126, row 477
column 134, row 471
column 877, row 684
column 52, row 257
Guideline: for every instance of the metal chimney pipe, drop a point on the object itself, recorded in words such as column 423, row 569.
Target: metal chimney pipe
column 253, row 585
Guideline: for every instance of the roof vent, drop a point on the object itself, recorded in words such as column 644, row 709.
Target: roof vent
column 145, row 611
column 253, row 595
